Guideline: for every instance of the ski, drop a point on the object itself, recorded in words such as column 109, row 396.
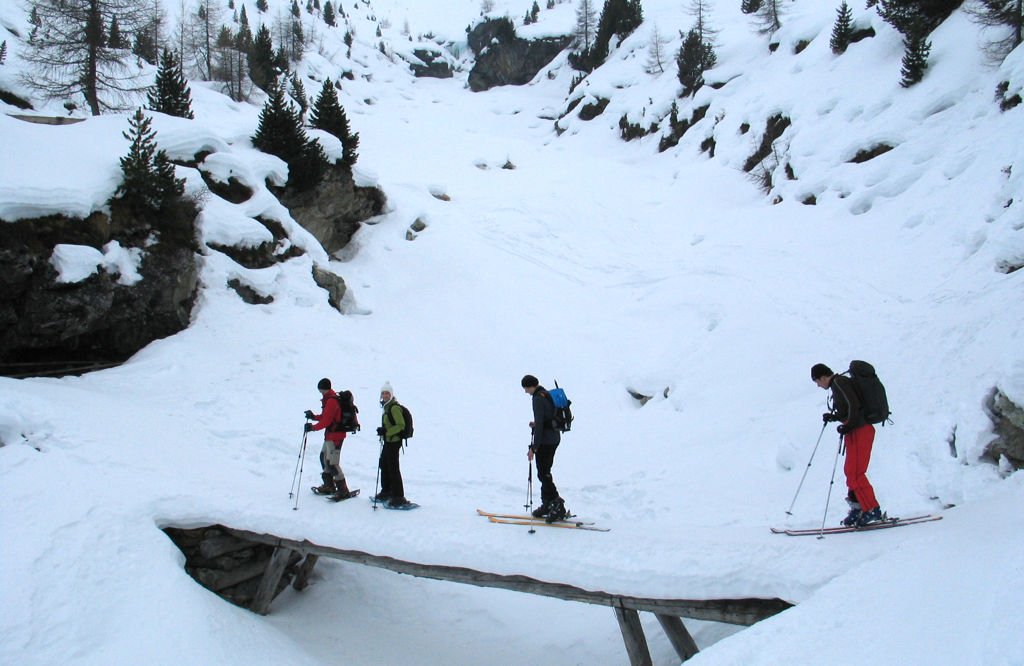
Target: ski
column 881, row 525
column 540, row 522
column 335, row 498
column 569, row 518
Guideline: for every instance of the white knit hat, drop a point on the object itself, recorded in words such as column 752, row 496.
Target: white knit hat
column 387, row 387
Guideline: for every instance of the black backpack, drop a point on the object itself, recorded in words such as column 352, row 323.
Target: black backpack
column 349, row 421
column 407, row 417
column 870, row 391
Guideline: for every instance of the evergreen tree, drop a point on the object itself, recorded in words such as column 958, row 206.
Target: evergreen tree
column 913, row 16
column 115, row 39
column 329, row 116
column 296, row 12
column 750, row 6
column 262, row 61
column 534, row 12
column 915, row 59
column 243, row 18
column 3, row 52
column 842, row 30
column 145, row 47
column 298, row 93
column 329, row 13
column 149, row 181
column 280, row 133
column 695, row 57
column 170, row 93
column 261, row 6
column 618, row 17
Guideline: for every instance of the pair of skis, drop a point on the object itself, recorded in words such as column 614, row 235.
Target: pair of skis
column 880, row 525
column 569, row 522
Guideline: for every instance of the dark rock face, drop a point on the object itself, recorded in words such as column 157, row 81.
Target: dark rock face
column 435, row 66
column 333, row 210
column 97, row 319
column 502, row 58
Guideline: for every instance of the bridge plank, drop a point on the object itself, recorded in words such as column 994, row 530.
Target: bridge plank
column 744, row 611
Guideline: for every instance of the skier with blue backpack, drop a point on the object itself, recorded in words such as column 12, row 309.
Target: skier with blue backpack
column 543, row 444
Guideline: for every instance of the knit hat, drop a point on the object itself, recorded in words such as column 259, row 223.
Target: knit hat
column 323, row 385
column 387, row 388
column 530, row 380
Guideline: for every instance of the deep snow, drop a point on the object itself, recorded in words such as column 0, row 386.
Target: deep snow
column 601, row 264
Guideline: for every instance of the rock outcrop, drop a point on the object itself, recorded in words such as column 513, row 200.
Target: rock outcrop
column 503, row 58
column 1008, row 419
column 101, row 318
column 333, row 210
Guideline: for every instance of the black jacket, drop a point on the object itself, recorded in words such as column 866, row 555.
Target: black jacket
column 846, row 402
column 544, row 432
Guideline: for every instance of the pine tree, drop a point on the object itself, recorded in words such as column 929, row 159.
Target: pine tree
column 750, row 6
column 842, row 30
column 915, row 58
column 262, row 61
column 261, row 6
column 618, row 17
column 329, row 13
column 695, row 57
column 329, row 116
column 280, row 133
column 149, row 181
column 3, row 52
column 298, row 92
column 296, row 12
column 243, row 18
column 115, row 39
column 534, row 12
column 170, row 93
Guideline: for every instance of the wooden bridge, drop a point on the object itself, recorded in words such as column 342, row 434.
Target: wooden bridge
column 669, row 612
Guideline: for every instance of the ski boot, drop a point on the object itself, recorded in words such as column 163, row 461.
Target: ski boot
column 557, row 511
column 873, row 516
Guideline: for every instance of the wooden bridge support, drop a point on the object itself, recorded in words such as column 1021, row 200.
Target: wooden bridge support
column 636, row 643
column 669, row 612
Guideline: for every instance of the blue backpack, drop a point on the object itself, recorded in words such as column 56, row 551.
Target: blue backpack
column 562, row 420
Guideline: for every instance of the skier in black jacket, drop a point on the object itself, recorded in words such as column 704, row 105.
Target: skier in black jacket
column 543, row 445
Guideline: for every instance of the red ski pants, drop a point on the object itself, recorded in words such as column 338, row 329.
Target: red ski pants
column 858, row 455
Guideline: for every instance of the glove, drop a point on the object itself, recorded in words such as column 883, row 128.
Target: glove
column 828, row 416
column 843, row 429
column 310, row 415
column 307, row 427
column 380, row 431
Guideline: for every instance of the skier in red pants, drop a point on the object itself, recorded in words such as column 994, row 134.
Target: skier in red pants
column 858, row 437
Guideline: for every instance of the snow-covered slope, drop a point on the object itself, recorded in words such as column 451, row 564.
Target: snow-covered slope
column 607, row 266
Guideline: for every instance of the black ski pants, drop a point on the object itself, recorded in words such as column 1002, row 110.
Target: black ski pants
column 544, row 456
column 390, row 472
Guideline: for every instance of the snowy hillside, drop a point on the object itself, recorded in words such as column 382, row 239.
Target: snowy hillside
column 603, row 264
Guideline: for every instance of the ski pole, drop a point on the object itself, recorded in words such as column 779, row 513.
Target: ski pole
column 302, row 461
column 376, row 484
column 292, row 490
column 806, row 469
column 828, row 498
